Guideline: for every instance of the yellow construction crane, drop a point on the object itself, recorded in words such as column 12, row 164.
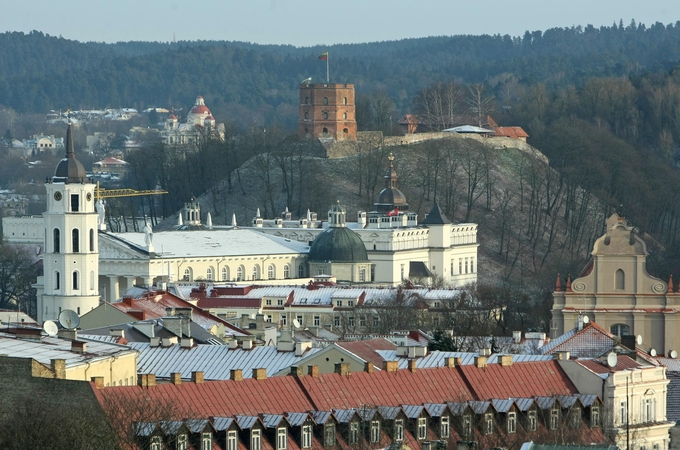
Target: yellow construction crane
column 101, row 193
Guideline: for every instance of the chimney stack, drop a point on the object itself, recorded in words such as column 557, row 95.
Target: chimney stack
column 342, row 369
column 480, row 362
column 390, row 366
column 506, row 360
column 368, row 367
column 296, row 371
column 260, row 374
column 236, row 375
column 176, row 378
column 450, row 362
column 58, row 366
column 147, row 380
column 313, row 371
column 98, row 382
column 412, row 365
column 197, row 377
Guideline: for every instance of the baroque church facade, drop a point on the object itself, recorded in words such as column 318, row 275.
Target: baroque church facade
column 199, row 123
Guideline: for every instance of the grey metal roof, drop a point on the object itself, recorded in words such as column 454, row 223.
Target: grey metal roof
column 502, row 406
column 222, row 423
column 588, row 399
column 389, row 412
column 197, row 425
column 545, row 402
column 271, row 420
column 367, row 413
column 412, row 411
column 215, row 361
column 457, row 408
column 320, row 417
column 171, row 427
column 246, row 422
column 524, row 404
column 144, row 428
column 567, row 401
column 296, row 419
column 344, row 415
column 435, row 409
column 479, row 407
column 495, row 358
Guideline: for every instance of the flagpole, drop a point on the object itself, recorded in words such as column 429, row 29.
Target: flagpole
column 328, row 76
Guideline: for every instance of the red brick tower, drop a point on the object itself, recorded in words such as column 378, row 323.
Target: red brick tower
column 327, row 110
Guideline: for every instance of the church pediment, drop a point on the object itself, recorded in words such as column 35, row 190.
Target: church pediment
column 112, row 249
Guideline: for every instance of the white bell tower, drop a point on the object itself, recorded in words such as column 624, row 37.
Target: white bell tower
column 71, row 257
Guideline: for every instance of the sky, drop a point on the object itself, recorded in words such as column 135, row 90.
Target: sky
column 315, row 22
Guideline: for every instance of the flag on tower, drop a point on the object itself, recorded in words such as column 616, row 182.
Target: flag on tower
column 323, row 56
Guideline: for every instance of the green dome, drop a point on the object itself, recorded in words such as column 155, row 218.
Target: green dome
column 338, row 245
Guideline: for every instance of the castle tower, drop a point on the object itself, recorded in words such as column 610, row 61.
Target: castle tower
column 327, row 111
column 71, row 258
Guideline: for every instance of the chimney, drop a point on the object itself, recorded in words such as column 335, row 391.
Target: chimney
column 147, row 380
column 561, row 356
column 236, row 375
column 117, row 332
column 247, row 344
column 137, row 314
column 480, row 362
column 155, row 342
column 313, row 371
column 517, row 337
column 368, row 367
column 176, row 378
column 58, row 366
column 412, row 365
column 78, row 346
column 67, row 334
column 197, row 377
column 98, row 382
column 186, row 342
column 459, row 361
column 28, row 333
column 390, row 366
column 129, row 300
column 260, row 374
column 342, row 369
column 450, row 362
column 296, row 371
column 506, row 360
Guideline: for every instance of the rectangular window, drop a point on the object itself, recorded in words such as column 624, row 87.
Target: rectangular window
column 255, row 440
column 452, row 267
column 307, row 436
column 156, row 443
column 299, row 319
column 268, row 302
column 435, row 322
column 422, row 428
column 317, row 321
column 284, row 319
column 279, row 302
column 362, row 321
column 350, row 303
column 575, row 418
column 281, row 439
column 182, row 442
column 336, row 321
column 75, row 202
column 399, row 430
column 488, row 423
column 350, row 321
column 512, row 422
column 466, row 265
column 353, row 433
column 623, row 412
column 444, row 428
column 376, row 321
column 375, row 431
column 594, row 416
column 338, row 303
column 206, row 441
column 472, row 264
column 554, row 418
column 460, row 265
column 232, row 441
column 268, row 318
column 402, row 271
column 531, row 421
column 329, row 435
column 467, row 426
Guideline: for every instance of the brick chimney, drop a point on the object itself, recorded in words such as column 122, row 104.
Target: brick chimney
column 98, row 382
column 342, row 369
column 296, row 371
column 480, row 362
column 176, row 378
column 412, row 365
column 390, row 366
column 129, row 300
column 147, row 380
column 58, row 366
column 506, row 360
column 197, row 377
column 236, row 375
column 260, row 374
column 450, row 362
column 369, row 367
column 313, row 371
column 78, row 346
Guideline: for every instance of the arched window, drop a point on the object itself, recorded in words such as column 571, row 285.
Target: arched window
column 56, row 240
column 57, row 280
column 187, row 274
column 92, row 286
column 286, row 271
column 256, row 272
column 91, row 239
column 620, row 329
column 325, row 100
column 209, row 273
column 239, row 273
column 344, row 115
column 306, row 100
column 75, row 280
column 325, row 115
column 362, row 275
column 325, row 130
column 271, row 272
column 306, row 115
column 225, row 273
column 620, row 280
column 345, row 130
column 301, row 271
column 75, row 241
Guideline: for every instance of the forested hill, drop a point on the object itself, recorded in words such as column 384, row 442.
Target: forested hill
column 259, row 83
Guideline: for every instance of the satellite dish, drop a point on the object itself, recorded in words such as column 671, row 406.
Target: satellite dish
column 652, row 352
column 69, row 319
column 50, row 328
column 673, row 354
column 296, row 323
column 612, row 359
column 586, row 319
column 638, row 340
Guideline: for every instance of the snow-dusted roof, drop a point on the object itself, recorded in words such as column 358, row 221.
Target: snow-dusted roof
column 218, row 242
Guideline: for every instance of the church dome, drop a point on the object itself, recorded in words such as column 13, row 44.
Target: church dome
column 338, row 245
column 69, row 169
column 172, row 117
column 391, row 197
column 200, row 109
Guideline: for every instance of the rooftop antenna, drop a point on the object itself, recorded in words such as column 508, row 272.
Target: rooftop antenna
column 69, row 319
column 50, row 328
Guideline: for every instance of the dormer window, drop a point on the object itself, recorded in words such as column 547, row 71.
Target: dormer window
column 353, row 433
column 444, row 427
column 399, row 430
column 232, row 440
column 375, row 432
column 206, row 441
column 156, row 443
column 594, row 416
column 307, row 436
column 554, row 419
column 338, row 303
column 255, row 440
column 281, row 439
column 279, row 302
column 182, row 442
column 422, row 428
column 329, row 435
column 512, row 422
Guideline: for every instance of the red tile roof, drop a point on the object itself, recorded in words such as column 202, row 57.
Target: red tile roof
column 623, row 362
column 366, row 349
column 529, row 379
column 511, row 132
